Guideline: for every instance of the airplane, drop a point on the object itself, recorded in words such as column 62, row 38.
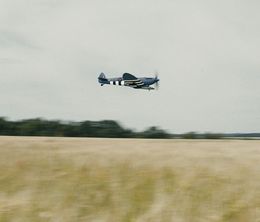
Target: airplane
column 131, row 81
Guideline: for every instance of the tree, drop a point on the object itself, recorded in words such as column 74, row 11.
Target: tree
column 155, row 132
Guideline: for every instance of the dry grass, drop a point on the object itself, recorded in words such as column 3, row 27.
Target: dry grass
column 58, row 179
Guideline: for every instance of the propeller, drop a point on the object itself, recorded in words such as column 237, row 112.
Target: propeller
column 157, row 85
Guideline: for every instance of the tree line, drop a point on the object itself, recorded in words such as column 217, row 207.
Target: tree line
column 56, row 128
column 104, row 128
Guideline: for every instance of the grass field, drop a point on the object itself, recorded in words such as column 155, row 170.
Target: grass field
column 63, row 179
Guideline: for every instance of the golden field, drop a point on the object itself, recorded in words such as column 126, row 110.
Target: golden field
column 69, row 179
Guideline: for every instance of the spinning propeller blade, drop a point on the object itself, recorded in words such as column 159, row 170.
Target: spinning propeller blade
column 157, row 83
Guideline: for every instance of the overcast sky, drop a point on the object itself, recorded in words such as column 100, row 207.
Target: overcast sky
column 207, row 54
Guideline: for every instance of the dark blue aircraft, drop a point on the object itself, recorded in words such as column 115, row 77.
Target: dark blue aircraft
column 130, row 80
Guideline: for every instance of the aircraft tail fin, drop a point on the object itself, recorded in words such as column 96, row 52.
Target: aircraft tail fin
column 102, row 76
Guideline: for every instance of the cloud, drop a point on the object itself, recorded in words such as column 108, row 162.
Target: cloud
column 51, row 53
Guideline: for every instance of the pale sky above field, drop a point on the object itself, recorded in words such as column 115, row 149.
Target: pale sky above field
column 207, row 54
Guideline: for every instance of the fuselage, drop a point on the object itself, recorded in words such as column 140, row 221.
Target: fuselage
column 149, row 81
column 146, row 82
column 129, row 80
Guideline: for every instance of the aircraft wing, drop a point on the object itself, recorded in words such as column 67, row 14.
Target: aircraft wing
column 131, row 80
column 128, row 76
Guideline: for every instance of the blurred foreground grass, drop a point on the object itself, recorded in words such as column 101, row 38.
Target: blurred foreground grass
column 62, row 179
